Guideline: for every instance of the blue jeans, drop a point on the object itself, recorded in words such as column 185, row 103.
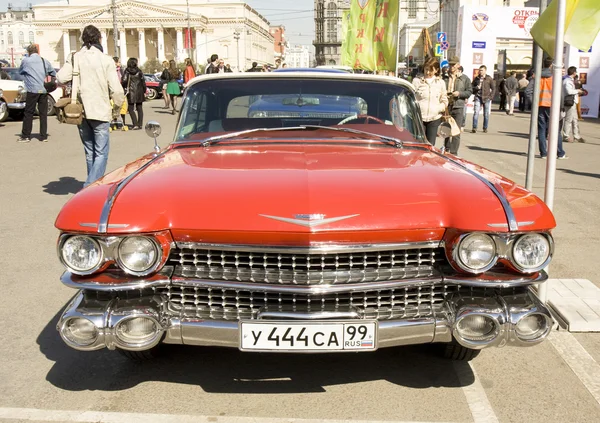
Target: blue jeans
column 94, row 136
column 486, row 112
column 543, row 126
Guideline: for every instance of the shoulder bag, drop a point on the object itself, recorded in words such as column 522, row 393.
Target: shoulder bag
column 70, row 110
column 49, row 80
column 448, row 127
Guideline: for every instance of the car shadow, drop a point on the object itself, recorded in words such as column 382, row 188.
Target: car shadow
column 515, row 134
column 587, row 174
column 64, row 186
column 496, row 150
column 228, row 370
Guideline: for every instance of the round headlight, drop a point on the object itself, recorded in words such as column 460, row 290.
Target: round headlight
column 81, row 254
column 531, row 251
column 80, row 331
column 476, row 252
column 476, row 327
column 137, row 254
column 532, row 327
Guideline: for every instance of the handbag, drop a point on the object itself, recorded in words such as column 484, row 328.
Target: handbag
column 49, row 80
column 448, row 127
column 70, row 110
column 569, row 100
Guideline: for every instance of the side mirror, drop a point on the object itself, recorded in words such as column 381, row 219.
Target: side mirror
column 153, row 130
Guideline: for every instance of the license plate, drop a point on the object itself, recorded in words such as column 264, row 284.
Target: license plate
column 308, row 336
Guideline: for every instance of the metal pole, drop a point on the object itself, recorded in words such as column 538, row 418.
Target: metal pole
column 189, row 33
column 117, row 50
column 236, row 36
column 397, row 44
column 555, row 109
column 535, row 109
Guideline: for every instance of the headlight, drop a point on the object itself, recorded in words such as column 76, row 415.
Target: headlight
column 137, row 254
column 20, row 90
column 530, row 252
column 81, row 254
column 476, row 252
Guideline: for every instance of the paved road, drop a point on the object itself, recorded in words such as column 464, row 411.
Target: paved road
column 43, row 380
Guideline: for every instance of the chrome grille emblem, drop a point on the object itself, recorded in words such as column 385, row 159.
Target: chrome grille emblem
column 309, row 220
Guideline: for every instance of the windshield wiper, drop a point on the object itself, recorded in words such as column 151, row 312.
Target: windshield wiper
column 364, row 135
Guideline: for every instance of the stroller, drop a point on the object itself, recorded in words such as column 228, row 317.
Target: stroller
column 117, row 122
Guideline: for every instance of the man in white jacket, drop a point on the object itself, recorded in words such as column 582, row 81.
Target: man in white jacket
column 570, row 96
column 98, row 84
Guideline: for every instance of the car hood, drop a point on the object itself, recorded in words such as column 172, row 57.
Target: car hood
column 286, row 194
column 10, row 85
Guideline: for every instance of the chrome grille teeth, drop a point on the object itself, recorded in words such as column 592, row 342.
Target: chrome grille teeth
column 306, row 269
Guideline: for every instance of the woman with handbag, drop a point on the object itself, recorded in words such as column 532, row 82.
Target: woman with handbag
column 432, row 98
column 164, row 79
column 173, row 86
column 133, row 80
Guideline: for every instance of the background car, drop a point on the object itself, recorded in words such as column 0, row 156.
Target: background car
column 153, row 86
column 13, row 99
column 54, row 96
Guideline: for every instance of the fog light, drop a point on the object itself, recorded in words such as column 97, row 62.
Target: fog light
column 531, row 327
column 80, row 331
column 137, row 330
column 476, row 327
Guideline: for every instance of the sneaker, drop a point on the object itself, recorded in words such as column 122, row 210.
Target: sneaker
column 23, row 139
column 485, row 130
column 580, row 139
column 44, row 139
column 542, row 157
column 474, row 131
column 562, row 157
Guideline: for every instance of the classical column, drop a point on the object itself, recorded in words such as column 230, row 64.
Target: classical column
column 142, row 46
column 104, row 41
column 200, row 48
column 66, row 44
column 179, row 53
column 123, row 46
column 161, row 45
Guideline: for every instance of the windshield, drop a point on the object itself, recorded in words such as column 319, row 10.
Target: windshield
column 232, row 105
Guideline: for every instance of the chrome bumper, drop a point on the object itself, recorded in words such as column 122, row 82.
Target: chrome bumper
column 506, row 311
column 16, row 106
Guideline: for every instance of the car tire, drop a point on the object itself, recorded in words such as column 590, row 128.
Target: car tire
column 152, row 94
column 145, row 355
column 4, row 116
column 16, row 114
column 51, row 102
column 455, row 351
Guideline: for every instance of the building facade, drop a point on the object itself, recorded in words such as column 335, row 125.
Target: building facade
column 328, row 31
column 17, row 31
column 298, row 56
column 158, row 29
column 415, row 15
column 279, row 42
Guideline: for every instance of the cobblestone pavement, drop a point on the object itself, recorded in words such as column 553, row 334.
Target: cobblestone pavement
column 43, row 380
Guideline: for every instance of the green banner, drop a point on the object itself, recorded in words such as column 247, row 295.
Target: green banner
column 370, row 28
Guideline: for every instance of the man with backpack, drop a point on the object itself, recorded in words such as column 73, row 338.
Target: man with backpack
column 570, row 97
column 35, row 69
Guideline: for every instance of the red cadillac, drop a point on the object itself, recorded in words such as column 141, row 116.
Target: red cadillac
column 303, row 212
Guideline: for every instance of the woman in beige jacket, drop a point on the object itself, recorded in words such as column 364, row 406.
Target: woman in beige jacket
column 432, row 98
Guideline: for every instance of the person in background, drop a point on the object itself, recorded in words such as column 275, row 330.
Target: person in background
column 511, row 87
column 430, row 93
column 164, row 79
column 123, row 111
column 578, row 86
column 502, row 90
column 135, row 88
column 34, row 69
column 284, row 65
column 523, row 82
column 545, row 101
column 484, row 88
column 459, row 90
column 189, row 72
column 213, row 66
column 529, row 91
column 570, row 96
column 173, row 86
column 98, row 83
column 228, row 68
column 254, row 68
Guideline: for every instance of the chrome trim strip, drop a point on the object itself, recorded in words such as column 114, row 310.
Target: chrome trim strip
column 305, row 289
column 508, row 211
column 162, row 278
column 115, row 190
column 505, row 225
column 308, row 223
column 319, row 315
column 495, row 280
column 316, row 248
column 110, row 225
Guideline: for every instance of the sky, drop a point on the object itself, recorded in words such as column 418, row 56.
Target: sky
column 296, row 15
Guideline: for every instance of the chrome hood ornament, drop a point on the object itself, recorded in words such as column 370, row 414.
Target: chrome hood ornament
column 309, row 220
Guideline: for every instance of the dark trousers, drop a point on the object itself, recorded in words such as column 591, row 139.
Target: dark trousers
column 451, row 144
column 431, row 129
column 139, row 119
column 543, row 129
column 521, row 101
column 502, row 101
column 41, row 101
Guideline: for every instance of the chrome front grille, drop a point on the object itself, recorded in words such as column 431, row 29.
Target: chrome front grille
column 298, row 267
column 223, row 303
column 317, row 115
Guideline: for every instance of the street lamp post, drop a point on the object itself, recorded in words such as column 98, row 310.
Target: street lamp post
column 236, row 36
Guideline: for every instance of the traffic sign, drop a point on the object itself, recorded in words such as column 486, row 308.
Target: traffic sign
column 441, row 37
column 444, row 63
column 438, row 50
column 445, row 45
